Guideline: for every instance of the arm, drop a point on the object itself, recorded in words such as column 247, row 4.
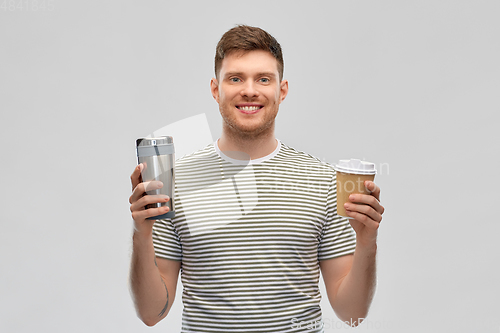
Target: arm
column 350, row 280
column 153, row 280
column 350, row 285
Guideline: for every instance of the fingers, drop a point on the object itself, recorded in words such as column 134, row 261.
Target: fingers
column 373, row 188
column 142, row 214
column 141, row 203
column 135, row 177
column 366, row 208
column 367, row 199
column 363, row 213
column 142, row 188
column 139, row 200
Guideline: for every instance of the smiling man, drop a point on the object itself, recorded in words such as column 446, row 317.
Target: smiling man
column 255, row 220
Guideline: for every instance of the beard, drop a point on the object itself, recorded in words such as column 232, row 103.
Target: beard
column 238, row 127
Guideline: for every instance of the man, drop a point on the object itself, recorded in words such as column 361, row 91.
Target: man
column 255, row 219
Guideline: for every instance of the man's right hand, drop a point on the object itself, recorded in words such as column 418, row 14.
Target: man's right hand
column 139, row 199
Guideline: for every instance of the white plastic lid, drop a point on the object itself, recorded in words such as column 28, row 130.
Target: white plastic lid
column 356, row 166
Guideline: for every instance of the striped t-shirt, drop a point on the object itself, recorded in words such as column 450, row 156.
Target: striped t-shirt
column 250, row 235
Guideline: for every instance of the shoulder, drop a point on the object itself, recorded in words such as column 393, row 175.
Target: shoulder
column 202, row 155
column 292, row 157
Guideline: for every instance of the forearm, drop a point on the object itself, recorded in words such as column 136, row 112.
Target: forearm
column 356, row 291
column 149, row 292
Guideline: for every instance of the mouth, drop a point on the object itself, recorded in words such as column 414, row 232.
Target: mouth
column 249, row 109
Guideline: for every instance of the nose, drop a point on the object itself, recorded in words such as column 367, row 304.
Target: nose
column 249, row 89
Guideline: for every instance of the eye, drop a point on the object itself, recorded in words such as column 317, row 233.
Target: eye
column 234, row 79
column 264, row 80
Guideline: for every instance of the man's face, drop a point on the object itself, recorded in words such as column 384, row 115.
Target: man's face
column 249, row 93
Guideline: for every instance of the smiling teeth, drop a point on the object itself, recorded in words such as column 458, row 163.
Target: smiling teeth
column 249, row 108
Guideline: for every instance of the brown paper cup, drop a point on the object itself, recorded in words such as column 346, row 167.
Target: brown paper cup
column 348, row 183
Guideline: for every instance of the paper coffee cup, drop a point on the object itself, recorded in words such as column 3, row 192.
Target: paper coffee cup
column 351, row 176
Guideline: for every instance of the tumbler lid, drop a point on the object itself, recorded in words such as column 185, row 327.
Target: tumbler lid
column 163, row 145
column 162, row 140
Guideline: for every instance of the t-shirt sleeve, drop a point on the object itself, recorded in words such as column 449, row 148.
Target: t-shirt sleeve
column 166, row 240
column 338, row 238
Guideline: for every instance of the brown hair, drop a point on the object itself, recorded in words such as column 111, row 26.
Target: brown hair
column 245, row 38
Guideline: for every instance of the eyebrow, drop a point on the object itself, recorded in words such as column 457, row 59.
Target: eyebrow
column 271, row 74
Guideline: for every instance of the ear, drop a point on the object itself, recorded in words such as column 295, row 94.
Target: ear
column 283, row 90
column 214, row 88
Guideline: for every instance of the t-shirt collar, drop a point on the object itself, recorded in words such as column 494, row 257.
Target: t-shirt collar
column 246, row 162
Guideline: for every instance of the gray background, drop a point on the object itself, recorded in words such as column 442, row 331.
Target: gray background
column 410, row 85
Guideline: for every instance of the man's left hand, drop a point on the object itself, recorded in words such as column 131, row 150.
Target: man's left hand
column 366, row 212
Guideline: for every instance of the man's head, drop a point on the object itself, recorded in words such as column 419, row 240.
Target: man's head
column 242, row 39
column 248, row 86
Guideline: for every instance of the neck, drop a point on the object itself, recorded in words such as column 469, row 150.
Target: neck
column 247, row 147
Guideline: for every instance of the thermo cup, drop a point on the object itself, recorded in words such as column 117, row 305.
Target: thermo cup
column 158, row 158
column 351, row 176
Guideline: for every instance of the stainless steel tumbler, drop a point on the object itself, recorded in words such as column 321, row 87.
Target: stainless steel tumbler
column 158, row 157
